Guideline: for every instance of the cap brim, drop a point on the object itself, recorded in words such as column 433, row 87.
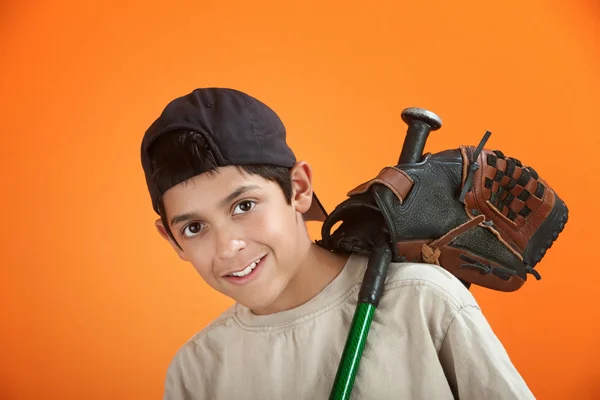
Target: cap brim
column 316, row 211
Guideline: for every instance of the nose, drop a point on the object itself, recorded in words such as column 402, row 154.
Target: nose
column 229, row 244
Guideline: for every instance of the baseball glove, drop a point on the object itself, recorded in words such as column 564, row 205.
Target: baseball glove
column 483, row 216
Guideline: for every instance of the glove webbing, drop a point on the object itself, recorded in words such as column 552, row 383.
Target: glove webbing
column 473, row 167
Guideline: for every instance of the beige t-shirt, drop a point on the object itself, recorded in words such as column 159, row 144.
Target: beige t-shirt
column 428, row 340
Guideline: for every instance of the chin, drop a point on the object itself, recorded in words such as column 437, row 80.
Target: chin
column 257, row 305
column 262, row 303
column 262, row 295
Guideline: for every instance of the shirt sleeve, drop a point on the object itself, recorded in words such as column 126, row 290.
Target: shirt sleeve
column 476, row 364
column 175, row 388
column 182, row 381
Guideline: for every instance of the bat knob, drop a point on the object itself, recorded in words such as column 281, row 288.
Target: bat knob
column 420, row 122
column 413, row 114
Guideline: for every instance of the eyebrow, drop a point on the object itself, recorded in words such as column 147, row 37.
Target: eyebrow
column 177, row 219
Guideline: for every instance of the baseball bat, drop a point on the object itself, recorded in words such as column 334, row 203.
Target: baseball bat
column 420, row 123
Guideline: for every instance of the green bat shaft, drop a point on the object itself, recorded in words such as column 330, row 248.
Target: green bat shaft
column 355, row 343
column 368, row 299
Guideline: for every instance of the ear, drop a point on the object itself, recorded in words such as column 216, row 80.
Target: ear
column 302, row 191
column 160, row 227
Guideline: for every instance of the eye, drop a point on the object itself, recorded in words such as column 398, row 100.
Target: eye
column 244, row 206
column 192, row 229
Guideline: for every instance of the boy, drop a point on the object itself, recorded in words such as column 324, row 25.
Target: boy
column 232, row 201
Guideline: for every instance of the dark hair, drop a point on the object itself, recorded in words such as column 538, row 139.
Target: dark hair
column 177, row 156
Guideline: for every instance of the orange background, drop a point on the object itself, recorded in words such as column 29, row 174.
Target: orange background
column 94, row 303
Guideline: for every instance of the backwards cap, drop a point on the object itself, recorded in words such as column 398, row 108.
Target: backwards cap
column 239, row 130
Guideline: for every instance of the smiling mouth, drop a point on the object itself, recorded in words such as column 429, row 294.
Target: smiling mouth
column 247, row 270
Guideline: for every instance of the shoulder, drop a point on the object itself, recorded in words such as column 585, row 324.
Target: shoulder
column 423, row 299
column 202, row 343
column 427, row 280
column 194, row 362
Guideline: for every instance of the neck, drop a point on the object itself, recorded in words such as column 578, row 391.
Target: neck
column 317, row 269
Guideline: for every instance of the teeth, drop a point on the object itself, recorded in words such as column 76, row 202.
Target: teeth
column 248, row 269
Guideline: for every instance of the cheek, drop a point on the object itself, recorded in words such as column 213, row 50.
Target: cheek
column 203, row 268
column 278, row 232
column 275, row 228
column 201, row 257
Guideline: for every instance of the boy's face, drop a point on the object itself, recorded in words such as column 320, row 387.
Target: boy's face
column 226, row 222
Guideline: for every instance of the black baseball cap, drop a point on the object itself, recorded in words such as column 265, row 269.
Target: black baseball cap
column 239, row 130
